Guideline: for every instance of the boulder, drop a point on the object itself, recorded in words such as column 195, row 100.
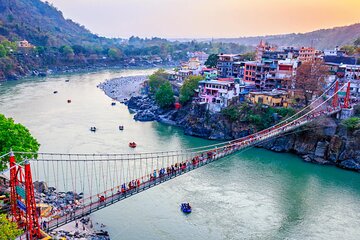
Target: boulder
column 350, row 164
column 320, row 150
column 40, row 187
column 145, row 116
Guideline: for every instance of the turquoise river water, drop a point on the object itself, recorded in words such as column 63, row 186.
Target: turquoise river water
column 256, row 194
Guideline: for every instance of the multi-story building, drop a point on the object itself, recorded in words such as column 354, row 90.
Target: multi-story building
column 256, row 73
column 219, row 93
column 250, row 71
column 238, row 69
column 225, row 64
column 284, row 75
column 307, row 54
column 334, row 52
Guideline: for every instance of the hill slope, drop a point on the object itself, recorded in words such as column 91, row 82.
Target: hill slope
column 42, row 24
column 324, row 38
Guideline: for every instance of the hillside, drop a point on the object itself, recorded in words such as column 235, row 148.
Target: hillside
column 42, row 25
column 321, row 39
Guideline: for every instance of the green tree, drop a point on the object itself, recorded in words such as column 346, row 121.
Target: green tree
column 9, row 46
column 212, row 60
column 2, row 51
column 352, row 123
column 114, row 53
column 16, row 137
column 67, row 51
column 249, row 56
column 8, row 229
column 231, row 112
column 350, row 50
column 187, row 89
column 165, row 96
column 157, row 79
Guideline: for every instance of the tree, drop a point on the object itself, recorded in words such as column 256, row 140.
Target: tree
column 16, row 137
column 349, row 50
column 67, row 51
column 2, row 51
column 187, row 89
column 310, row 78
column 157, row 79
column 165, row 96
column 8, row 229
column 212, row 60
column 249, row 56
column 114, row 53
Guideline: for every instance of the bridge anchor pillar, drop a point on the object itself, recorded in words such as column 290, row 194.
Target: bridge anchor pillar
column 346, row 113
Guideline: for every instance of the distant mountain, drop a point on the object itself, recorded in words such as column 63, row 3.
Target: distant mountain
column 321, row 39
column 42, row 24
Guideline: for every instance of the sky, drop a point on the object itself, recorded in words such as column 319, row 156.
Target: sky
column 207, row 18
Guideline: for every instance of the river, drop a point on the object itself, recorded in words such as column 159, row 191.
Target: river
column 256, row 194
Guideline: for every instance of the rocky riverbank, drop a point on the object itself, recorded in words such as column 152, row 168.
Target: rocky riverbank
column 194, row 119
column 323, row 142
column 59, row 204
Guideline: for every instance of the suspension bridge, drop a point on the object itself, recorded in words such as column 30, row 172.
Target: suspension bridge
column 80, row 184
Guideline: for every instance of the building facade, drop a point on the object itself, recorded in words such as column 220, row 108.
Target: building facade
column 220, row 93
column 225, row 64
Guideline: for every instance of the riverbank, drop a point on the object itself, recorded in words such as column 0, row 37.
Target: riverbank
column 324, row 142
column 123, row 88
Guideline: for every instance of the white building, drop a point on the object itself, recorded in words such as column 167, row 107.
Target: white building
column 219, row 94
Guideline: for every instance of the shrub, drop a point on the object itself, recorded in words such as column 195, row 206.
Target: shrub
column 231, row 112
column 351, row 123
